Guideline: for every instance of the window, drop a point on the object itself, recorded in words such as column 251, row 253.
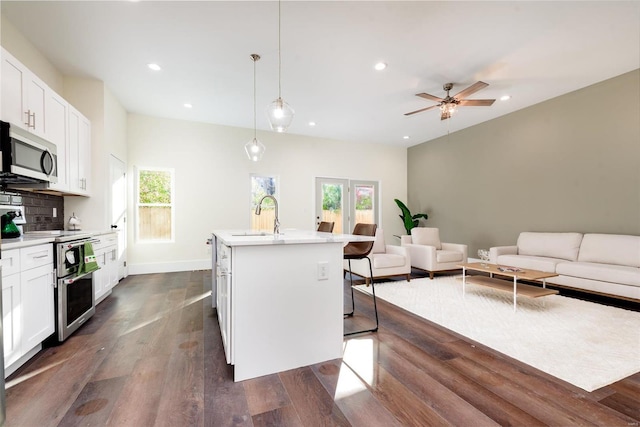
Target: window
column 155, row 197
column 347, row 202
column 263, row 186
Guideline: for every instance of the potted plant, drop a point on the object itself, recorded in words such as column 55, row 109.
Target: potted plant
column 409, row 221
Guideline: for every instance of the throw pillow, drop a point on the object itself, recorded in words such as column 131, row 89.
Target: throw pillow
column 426, row 236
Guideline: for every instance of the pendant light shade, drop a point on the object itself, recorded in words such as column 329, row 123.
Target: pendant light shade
column 254, row 148
column 279, row 113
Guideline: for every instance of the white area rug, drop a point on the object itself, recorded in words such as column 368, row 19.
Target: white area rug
column 586, row 344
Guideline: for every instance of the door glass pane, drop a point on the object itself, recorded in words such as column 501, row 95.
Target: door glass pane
column 364, row 195
column 332, row 197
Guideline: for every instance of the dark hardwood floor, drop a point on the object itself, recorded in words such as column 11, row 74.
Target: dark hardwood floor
column 152, row 355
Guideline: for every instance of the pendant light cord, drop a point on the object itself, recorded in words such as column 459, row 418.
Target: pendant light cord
column 254, row 100
column 279, row 55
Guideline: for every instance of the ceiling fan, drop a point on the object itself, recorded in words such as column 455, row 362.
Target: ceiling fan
column 449, row 104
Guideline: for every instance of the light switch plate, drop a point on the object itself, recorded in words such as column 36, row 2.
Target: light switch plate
column 323, row 270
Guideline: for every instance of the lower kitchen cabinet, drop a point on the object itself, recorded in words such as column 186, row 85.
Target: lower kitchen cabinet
column 27, row 302
column 105, row 247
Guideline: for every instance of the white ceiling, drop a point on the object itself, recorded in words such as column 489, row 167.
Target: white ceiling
column 532, row 51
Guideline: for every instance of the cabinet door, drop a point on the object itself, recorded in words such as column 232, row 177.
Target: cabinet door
column 79, row 152
column 100, row 277
column 112, row 266
column 13, row 85
column 11, row 318
column 36, row 91
column 36, row 290
column 57, row 133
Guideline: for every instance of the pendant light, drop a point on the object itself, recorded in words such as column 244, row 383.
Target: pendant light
column 254, row 148
column 279, row 113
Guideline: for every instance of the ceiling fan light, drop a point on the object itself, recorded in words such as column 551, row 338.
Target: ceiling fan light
column 254, row 149
column 280, row 115
column 448, row 109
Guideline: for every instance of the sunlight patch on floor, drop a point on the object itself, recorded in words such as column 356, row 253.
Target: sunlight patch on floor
column 30, row 375
column 164, row 313
column 357, row 370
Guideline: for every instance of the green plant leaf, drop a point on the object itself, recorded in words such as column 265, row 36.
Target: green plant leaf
column 409, row 221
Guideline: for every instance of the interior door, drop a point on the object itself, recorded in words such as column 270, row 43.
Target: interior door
column 118, row 199
column 332, row 203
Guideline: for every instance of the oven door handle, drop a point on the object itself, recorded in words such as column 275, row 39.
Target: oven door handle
column 76, row 278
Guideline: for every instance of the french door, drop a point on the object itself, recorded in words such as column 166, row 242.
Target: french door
column 346, row 202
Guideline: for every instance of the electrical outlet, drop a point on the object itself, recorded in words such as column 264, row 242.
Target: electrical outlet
column 323, row 270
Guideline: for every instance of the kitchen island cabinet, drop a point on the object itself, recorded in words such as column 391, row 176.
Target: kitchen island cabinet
column 279, row 298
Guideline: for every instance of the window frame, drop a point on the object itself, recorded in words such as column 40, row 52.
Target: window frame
column 172, row 172
column 276, row 193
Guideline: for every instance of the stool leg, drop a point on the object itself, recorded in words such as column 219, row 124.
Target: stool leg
column 375, row 305
column 353, row 304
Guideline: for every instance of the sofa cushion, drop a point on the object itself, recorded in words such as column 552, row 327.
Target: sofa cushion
column 550, row 245
column 387, row 260
column 610, row 249
column 604, row 272
column 448, row 256
column 530, row 262
column 426, row 236
column 378, row 244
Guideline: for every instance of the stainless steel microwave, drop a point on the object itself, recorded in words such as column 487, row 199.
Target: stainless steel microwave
column 26, row 158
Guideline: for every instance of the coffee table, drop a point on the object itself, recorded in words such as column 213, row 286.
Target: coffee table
column 504, row 285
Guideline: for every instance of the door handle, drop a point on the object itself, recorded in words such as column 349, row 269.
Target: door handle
column 114, row 226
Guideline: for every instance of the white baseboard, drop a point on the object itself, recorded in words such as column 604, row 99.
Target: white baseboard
column 169, row 267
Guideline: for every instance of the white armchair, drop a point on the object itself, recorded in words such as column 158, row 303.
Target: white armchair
column 386, row 261
column 429, row 254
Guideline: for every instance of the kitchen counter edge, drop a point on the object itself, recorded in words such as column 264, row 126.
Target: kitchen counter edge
column 27, row 240
column 286, row 237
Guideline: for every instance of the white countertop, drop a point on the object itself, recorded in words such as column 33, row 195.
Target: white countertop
column 35, row 238
column 286, row 237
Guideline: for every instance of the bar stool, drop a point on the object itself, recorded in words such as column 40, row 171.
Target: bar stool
column 326, row 227
column 360, row 250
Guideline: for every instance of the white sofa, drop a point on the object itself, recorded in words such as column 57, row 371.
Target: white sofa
column 602, row 263
column 428, row 253
column 386, row 261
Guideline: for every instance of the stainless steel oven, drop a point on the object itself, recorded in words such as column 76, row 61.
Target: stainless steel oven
column 74, row 293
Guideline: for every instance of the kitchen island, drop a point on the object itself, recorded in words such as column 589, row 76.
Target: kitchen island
column 279, row 298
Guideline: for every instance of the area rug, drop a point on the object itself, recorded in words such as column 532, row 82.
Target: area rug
column 586, row 344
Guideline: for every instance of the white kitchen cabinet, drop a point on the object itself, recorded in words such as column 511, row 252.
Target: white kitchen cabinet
column 23, row 96
column 11, row 318
column 36, row 286
column 105, row 248
column 223, row 297
column 57, row 110
column 79, row 165
column 27, row 302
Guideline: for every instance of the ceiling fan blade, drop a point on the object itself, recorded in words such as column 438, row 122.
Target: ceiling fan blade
column 421, row 110
column 471, row 89
column 430, row 97
column 477, row 102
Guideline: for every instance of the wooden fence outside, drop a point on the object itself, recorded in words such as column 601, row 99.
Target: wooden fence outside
column 264, row 221
column 154, row 222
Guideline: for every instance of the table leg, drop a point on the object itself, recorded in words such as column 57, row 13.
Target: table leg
column 515, row 291
column 464, row 280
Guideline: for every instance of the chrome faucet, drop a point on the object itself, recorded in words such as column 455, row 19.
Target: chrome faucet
column 276, row 221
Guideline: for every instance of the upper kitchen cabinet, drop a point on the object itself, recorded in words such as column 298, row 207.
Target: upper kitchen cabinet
column 57, row 109
column 79, row 165
column 23, row 96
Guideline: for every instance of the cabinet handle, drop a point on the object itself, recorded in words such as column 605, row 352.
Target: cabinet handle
column 40, row 256
column 34, row 119
column 28, row 123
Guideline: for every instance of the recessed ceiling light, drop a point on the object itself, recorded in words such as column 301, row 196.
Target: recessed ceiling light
column 188, row 106
column 312, row 123
column 380, row 66
column 505, row 97
column 405, row 137
column 154, row 67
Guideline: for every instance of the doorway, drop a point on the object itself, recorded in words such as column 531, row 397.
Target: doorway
column 118, row 210
column 346, row 202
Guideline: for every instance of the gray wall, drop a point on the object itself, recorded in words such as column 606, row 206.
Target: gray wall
column 568, row 164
